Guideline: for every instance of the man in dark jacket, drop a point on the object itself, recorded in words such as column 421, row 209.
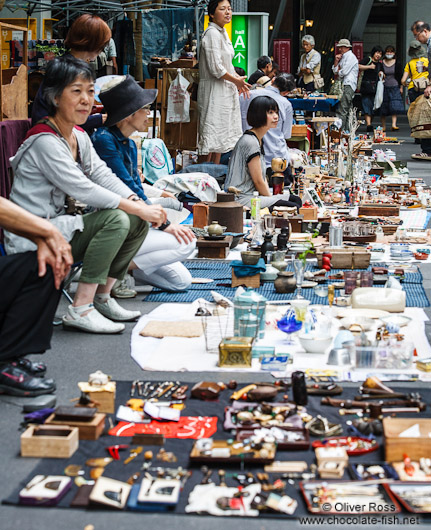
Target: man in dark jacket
column 264, row 67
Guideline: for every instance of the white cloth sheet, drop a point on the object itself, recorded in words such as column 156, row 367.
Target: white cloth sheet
column 182, row 354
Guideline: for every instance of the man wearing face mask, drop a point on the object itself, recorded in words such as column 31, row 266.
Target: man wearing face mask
column 392, row 96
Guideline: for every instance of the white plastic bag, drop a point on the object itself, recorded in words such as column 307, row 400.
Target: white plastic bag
column 378, row 99
column 178, row 100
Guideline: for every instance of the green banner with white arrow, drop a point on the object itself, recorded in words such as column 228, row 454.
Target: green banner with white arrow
column 240, row 41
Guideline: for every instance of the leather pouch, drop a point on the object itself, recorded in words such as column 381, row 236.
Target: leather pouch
column 263, row 393
column 74, row 413
column 206, row 390
column 82, row 497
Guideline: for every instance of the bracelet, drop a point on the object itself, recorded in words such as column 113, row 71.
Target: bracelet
column 135, row 198
column 164, row 226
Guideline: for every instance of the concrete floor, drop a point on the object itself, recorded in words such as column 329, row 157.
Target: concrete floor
column 73, row 356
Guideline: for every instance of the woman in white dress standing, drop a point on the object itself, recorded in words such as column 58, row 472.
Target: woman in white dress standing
column 219, row 87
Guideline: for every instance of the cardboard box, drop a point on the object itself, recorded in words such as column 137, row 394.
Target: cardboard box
column 299, row 130
column 310, row 214
column 48, row 441
column 416, row 447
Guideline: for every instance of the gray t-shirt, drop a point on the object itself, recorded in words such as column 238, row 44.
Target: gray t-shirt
column 247, row 148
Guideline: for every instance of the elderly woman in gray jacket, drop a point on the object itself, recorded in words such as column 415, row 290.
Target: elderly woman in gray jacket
column 57, row 160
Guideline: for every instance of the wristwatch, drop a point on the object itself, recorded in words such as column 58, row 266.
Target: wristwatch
column 164, row 226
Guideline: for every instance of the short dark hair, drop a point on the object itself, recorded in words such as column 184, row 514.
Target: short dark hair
column 376, row 49
column 258, row 109
column 390, row 48
column 275, row 67
column 61, row 72
column 88, row 33
column 415, row 25
column 212, row 6
column 240, row 71
column 284, row 82
column 423, row 27
column 263, row 61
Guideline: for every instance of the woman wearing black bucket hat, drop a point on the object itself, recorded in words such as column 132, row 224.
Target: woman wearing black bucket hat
column 158, row 261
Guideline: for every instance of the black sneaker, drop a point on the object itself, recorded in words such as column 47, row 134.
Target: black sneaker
column 18, row 382
column 33, row 368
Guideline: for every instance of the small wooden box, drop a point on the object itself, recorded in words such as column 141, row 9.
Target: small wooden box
column 346, row 258
column 415, row 447
column 200, row 214
column 214, row 249
column 45, row 441
column 249, row 281
column 235, row 352
column 105, row 400
column 88, row 430
column 310, row 214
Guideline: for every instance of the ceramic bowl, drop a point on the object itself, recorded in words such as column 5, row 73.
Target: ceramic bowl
column 250, row 257
column 315, row 344
column 399, row 320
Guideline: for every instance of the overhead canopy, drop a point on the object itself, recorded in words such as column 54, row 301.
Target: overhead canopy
column 70, row 7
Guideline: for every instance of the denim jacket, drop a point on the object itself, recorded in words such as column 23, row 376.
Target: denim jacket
column 120, row 154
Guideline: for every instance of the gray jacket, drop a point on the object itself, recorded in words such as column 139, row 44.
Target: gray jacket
column 45, row 172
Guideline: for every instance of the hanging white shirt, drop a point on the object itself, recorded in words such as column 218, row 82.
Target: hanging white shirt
column 348, row 69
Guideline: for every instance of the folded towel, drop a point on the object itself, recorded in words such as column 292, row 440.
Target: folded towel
column 241, row 270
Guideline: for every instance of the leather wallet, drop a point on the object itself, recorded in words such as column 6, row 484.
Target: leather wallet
column 74, row 413
column 206, row 390
column 82, row 497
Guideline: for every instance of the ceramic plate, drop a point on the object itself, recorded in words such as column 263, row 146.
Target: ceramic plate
column 399, row 320
column 368, row 313
column 307, row 284
column 365, row 323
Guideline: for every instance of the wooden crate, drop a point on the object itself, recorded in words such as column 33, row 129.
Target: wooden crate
column 45, row 441
column 88, row 430
column 310, row 214
column 346, row 258
column 415, row 447
column 249, row 281
column 299, row 130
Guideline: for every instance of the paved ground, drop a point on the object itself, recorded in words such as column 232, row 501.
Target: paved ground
column 72, row 357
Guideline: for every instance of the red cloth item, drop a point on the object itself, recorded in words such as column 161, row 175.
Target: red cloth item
column 189, row 427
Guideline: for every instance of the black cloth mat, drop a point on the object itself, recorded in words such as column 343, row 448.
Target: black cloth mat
column 181, row 448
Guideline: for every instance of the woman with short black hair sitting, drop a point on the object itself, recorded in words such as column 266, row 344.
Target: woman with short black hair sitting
column 247, row 167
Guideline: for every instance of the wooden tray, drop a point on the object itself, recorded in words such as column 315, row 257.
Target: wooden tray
column 415, row 447
column 237, row 455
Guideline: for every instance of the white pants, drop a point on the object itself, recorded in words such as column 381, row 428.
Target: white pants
column 159, row 261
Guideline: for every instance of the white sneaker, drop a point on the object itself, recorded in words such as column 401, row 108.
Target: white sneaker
column 92, row 322
column 112, row 310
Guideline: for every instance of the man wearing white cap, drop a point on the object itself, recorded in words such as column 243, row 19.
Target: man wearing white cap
column 346, row 67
